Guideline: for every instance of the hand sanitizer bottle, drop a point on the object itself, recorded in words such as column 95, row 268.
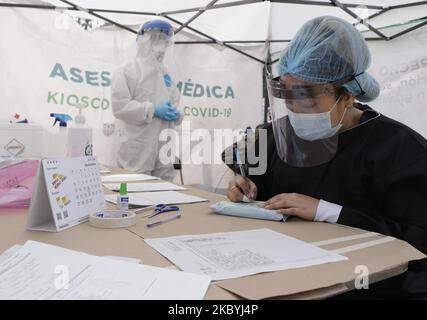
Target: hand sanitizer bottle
column 79, row 137
column 123, row 198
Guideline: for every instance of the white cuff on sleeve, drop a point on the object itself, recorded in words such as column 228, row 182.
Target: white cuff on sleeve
column 327, row 212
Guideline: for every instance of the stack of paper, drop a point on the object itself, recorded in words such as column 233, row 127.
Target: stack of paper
column 17, row 197
column 142, row 199
column 127, row 177
column 40, row 271
column 145, row 186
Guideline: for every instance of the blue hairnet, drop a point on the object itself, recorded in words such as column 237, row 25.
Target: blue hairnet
column 327, row 49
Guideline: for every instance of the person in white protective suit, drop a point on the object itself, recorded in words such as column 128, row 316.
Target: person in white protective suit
column 145, row 100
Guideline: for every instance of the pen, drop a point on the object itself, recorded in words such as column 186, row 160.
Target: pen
column 155, row 223
column 239, row 162
column 242, row 172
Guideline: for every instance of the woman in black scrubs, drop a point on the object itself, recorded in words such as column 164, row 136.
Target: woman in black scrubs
column 331, row 158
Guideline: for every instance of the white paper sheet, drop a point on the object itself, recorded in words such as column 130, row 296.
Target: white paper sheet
column 237, row 254
column 127, row 177
column 127, row 259
column 145, row 186
column 9, row 252
column 42, row 271
column 12, row 250
column 158, row 197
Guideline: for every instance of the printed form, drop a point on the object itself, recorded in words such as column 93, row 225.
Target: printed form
column 127, row 177
column 146, row 186
column 39, row 271
column 242, row 253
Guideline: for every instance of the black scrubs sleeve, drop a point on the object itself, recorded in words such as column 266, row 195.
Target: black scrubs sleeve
column 403, row 197
column 415, row 235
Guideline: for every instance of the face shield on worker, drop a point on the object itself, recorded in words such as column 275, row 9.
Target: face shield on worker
column 325, row 60
column 155, row 39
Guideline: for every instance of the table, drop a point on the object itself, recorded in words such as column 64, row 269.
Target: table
column 384, row 257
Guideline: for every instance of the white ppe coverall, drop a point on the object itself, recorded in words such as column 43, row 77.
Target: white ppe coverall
column 137, row 88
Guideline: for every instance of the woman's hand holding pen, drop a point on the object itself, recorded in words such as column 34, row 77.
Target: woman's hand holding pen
column 240, row 187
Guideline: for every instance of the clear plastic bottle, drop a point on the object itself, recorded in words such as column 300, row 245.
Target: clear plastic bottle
column 79, row 137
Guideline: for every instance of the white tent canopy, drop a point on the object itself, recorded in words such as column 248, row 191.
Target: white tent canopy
column 232, row 22
column 223, row 43
column 249, row 20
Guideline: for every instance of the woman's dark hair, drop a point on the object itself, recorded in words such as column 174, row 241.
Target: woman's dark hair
column 339, row 91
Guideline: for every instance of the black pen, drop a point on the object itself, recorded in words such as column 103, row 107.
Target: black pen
column 242, row 173
column 239, row 162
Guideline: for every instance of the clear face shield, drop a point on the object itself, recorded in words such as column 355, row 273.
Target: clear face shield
column 303, row 131
column 156, row 42
column 160, row 42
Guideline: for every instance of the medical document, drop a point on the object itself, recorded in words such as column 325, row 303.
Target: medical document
column 127, row 177
column 242, row 253
column 145, row 186
column 12, row 250
column 159, row 197
column 39, row 271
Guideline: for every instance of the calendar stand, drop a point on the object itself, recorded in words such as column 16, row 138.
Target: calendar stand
column 66, row 192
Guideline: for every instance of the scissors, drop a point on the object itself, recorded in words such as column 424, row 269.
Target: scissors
column 162, row 208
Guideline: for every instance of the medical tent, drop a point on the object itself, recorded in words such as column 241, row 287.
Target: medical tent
column 55, row 54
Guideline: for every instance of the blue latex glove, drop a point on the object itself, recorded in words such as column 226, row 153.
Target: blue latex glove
column 166, row 111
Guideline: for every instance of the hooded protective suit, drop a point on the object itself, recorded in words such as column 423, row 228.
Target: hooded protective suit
column 138, row 89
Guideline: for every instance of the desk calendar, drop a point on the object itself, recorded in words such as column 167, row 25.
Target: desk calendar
column 66, row 191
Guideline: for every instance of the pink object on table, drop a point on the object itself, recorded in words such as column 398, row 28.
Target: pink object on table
column 16, row 183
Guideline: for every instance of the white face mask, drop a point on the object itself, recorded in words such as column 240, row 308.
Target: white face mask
column 314, row 126
column 159, row 48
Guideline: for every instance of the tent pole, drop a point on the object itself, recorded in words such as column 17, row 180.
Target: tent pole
column 51, row 7
column 218, row 6
column 328, row 4
column 99, row 16
column 364, row 22
column 264, row 82
column 407, row 5
column 376, row 14
column 201, row 11
column 257, row 41
column 408, row 30
column 34, row 6
column 213, row 39
column 229, row 42
column 123, row 12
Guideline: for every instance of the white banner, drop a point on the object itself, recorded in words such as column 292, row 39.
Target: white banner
column 220, row 89
column 400, row 66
